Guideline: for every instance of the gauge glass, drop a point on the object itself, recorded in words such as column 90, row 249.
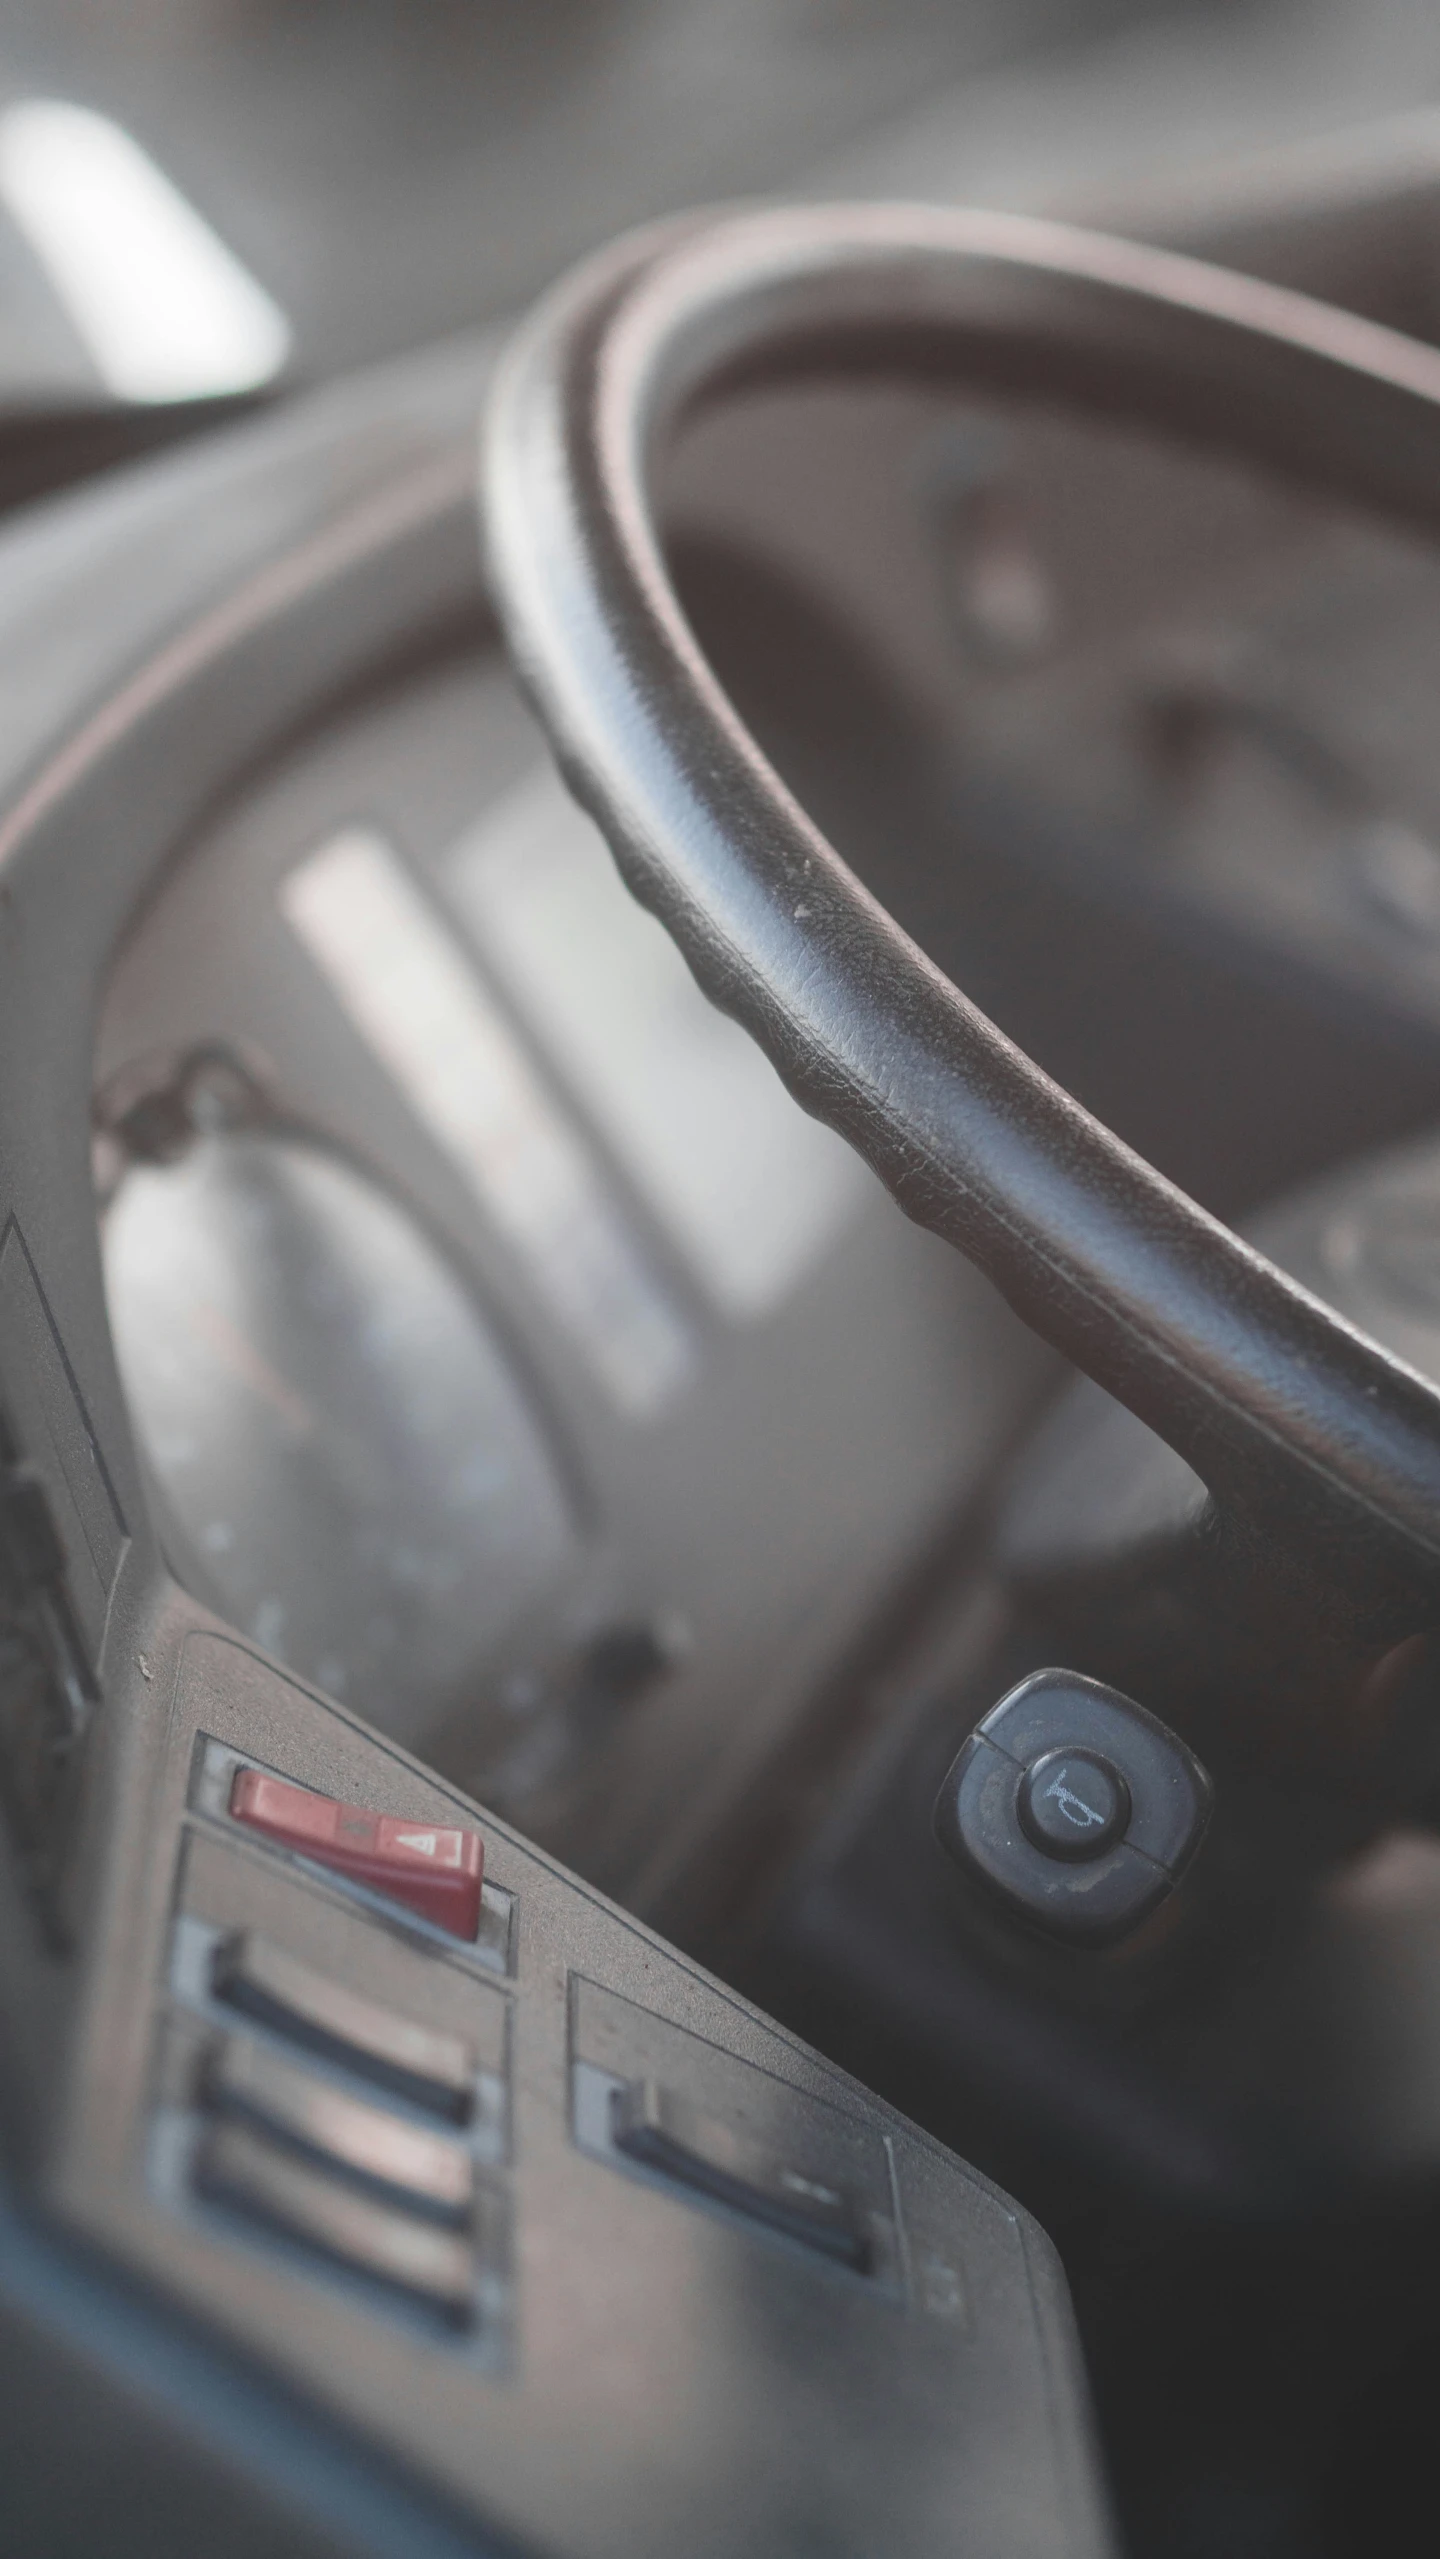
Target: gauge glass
column 341, row 1438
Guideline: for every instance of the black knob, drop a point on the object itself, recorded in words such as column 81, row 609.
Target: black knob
column 1075, row 1805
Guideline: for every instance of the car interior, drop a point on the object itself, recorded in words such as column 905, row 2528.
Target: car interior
column 720, row 959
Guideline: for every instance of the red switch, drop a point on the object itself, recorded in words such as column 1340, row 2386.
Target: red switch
column 438, row 1871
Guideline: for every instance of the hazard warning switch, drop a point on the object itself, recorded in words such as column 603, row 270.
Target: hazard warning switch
column 436, row 1870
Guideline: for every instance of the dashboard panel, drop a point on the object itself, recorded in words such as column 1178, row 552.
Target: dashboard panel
column 465, row 2261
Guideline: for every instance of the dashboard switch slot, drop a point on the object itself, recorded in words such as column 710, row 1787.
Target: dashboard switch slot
column 244, row 2171
column 435, row 1868
column 431, row 2172
column 432, row 2067
column 664, row 2131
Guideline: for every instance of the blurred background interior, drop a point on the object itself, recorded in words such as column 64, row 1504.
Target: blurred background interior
column 251, row 192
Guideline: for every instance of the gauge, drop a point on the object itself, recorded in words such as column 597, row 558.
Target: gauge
column 342, row 1439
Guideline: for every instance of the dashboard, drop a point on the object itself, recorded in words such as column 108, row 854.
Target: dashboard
column 505, row 1520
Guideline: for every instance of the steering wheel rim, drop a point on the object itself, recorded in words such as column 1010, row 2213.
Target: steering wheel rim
column 1309, row 1436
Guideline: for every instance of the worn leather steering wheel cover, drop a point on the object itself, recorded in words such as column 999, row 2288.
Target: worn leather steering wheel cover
column 1307, row 1432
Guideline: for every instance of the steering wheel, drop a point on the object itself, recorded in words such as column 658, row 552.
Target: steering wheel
column 1320, row 1451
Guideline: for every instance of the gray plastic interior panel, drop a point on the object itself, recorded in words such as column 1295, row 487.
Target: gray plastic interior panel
column 627, row 2331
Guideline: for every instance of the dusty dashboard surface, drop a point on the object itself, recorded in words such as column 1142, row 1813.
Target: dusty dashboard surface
column 542, row 2211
